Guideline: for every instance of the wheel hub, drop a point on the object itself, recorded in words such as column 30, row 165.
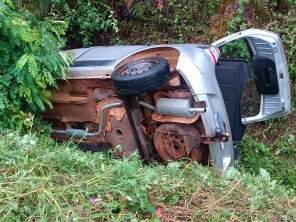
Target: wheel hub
column 175, row 141
column 138, row 68
column 173, row 145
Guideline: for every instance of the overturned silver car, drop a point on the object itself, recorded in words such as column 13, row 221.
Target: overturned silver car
column 169, row 102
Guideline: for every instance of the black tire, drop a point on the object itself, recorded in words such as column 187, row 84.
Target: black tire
column 140, row 76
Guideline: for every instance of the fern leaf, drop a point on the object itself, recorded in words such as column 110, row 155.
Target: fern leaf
column 22, row 62
column 32, row 66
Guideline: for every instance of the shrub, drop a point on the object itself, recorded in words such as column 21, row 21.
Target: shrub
column 284, row 25
column 87, row 20
column 31, row 60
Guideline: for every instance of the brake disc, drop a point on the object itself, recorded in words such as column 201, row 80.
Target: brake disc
column 175, row 141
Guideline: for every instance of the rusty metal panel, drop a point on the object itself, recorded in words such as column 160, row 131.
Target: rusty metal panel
column 75, row 100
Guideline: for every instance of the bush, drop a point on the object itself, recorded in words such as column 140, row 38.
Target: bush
column 31, row 61
column 87, row 20
column 284, row 25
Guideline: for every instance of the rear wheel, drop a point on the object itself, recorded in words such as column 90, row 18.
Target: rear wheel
column 140, row 76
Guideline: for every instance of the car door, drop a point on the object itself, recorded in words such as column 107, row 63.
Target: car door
column 270, row 70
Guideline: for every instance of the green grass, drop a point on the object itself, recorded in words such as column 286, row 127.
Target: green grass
column 272, row 145
column 278, row 159
column 41, row 180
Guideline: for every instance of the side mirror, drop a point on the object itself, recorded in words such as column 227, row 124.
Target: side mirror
column 265, row 76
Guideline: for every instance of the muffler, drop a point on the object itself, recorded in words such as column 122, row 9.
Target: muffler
column 177, row 107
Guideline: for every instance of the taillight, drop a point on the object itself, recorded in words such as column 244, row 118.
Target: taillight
column 214, row 53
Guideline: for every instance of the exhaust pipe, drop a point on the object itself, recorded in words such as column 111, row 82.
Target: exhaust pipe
column 174, row 107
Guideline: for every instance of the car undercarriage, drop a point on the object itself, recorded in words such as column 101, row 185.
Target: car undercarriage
column 168, row 102
column 90, row 111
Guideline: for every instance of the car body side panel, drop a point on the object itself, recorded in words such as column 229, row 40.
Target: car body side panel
column 115, row 55
column 76, row 53
column 205, row 88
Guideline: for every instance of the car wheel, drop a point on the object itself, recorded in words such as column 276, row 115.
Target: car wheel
column 140, row 76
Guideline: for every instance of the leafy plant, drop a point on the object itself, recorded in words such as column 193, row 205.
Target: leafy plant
column 277, row 158
column 86, row 19
column 143, row 10
column 31, row 61
column 237, row 49
column 284, row 25
column 90, row 19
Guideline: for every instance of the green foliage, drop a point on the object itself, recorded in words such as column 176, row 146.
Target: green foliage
column 44, row 181
column 292, row 2
column 284, row 25
column 237, row 49
column 255, row 155
column 278, row 159
column 86, row 19
column 238, row 23
column 31, row 61
column 144, row 10
column 176, row 22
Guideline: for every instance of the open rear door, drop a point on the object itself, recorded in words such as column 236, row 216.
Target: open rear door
column 271, row 72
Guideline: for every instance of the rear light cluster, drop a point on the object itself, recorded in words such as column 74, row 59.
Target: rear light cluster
column 214, row 53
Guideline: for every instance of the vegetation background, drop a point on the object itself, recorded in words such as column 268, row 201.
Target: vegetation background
column 44, row 181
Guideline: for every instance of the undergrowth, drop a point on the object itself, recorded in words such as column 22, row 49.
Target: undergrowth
column 176, row 22
column 278, row 158
column 42, row 180
column 87, row 21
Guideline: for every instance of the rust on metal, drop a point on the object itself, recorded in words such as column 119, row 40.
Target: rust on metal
column 120, row 137
column 65, row 99
column 214, row 139
column 174, row 80
column 181, row 94
column 78, row 104
column 75, row 100
column 200, row 153
column 135, row 116
column 174, row 119
column 175, row 141
column 117, row 112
